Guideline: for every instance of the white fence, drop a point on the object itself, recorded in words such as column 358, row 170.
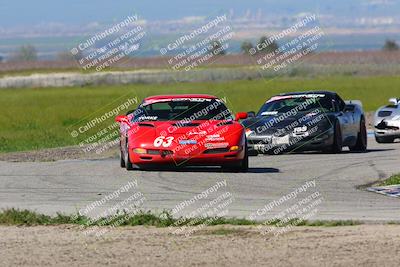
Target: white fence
column 127, row 77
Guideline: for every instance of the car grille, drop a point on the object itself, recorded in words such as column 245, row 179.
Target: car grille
column 216, row 150
column 383, row 126
column 253, row 141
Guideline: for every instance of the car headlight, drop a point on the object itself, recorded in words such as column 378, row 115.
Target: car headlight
column 396, row 118
column 234, row 148
column 140, row 150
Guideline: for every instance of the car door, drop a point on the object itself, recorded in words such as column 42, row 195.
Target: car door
column 346, row 118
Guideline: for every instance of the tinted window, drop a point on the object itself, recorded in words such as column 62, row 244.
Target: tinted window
column 341, row 104
column 288, row 103
column 194, row 109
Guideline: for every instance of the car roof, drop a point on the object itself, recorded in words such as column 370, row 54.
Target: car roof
column 160, row 97
column 330, row 93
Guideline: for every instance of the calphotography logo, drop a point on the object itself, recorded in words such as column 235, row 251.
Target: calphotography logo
column 200, row 46
column 305, row 41
column 290, row 210
column 98, row 133
column 110, row 46
column 113, row 210
column 201, row 210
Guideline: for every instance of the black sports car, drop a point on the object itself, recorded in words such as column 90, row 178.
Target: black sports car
column 313, row 120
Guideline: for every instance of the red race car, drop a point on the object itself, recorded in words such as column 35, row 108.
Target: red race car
column 182, row 130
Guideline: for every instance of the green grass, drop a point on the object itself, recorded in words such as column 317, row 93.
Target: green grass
column 392, row 180
column 164, row 219
column 44, row 117
column 26, row 217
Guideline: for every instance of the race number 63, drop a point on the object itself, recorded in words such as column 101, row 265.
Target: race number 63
column 164, row 141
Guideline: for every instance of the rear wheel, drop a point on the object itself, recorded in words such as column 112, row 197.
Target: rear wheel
column 337, row 145
column 361, row 144
column 384, row 139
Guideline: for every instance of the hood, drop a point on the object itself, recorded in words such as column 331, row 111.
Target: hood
column 182, row 128
column 387, row 113
column 268, row 125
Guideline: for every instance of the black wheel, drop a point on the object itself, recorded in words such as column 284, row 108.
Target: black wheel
column 128, row 163
column 242, row 166
column 337, row 145
column 245, row 162
column 384, row 139
column 361, row 144
column 121, row 159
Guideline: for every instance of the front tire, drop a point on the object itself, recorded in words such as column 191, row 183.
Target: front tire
column 361, row 144
column 245, row 162
column 127, row 160
column 337, row 145
column 121, row 159
column 242, row 166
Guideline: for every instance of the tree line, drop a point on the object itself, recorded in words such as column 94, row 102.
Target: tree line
column 29, row 52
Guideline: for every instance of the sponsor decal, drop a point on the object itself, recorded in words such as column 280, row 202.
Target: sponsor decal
column 284, row 140
column 187, row 142
column 214, row 137
column 147, row 118
column 152, row 101
column 193, row 133
column 295, row 96
column 266, row 113
column 216, row 145
column 193, row 99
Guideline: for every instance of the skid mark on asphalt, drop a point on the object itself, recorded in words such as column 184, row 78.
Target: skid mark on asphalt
column 381, row 173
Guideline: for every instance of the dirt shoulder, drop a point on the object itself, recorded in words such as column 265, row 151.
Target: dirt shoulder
column 363, row 245
column 54, row 154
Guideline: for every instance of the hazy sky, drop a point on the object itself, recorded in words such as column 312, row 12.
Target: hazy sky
column 28, row 12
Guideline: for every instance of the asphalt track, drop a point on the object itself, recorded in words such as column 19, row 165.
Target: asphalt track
column 69, row 185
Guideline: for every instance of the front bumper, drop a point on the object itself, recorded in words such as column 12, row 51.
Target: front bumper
column 388, row 129
column 201, row 159
column 271, row 144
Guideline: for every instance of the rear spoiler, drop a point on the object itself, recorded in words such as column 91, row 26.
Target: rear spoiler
column 354, row 102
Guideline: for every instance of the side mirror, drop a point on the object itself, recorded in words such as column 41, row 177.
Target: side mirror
column 251, row 114
column 241, row 116
column 122, row 118
column 349, row 108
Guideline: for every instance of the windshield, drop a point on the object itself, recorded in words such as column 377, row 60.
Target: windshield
column 183, row 109
column 283, row 104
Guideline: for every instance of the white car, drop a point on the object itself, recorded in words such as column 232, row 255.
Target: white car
column 387, row 122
